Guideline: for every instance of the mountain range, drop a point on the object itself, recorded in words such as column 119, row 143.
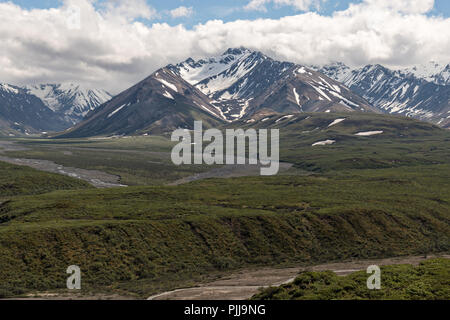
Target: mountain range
column 421, row 92
column 46, row 107
column 239, row 84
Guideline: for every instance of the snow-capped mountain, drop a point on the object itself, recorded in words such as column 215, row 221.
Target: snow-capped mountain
column 43, row 108
column 70, row 101
column 232, row 79
column 236, row 74
column 431, row 72
column 337, row 70
column 160, row 103
column 242, row 81
column 421, row 92
column 24, row 113
column 235, row 85
column 443, row 77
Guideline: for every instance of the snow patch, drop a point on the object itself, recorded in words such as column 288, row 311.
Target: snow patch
column 117, row 110
column 336, row 122
column 205, row 108
column 368, row 133
column 8, row 88
column 168, row 95
column 285, row 117
column 168, row 84
column 301, row 70
column 297, row 97
column 321, row 92
column 323, row 143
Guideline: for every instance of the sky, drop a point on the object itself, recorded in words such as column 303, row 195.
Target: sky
column 112, row 44
column 192, row 12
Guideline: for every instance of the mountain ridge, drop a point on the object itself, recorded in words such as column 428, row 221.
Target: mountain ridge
column 241, row 83
column 36, row 109
column 408, row 92
column 221, row 89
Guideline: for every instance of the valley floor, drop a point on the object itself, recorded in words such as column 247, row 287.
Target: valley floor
column 246, row 283
column 101, row 179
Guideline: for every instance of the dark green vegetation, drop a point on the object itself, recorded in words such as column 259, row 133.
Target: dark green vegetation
column 362, row 197
column 428, row 281
column 145, row 235
column 20, row 180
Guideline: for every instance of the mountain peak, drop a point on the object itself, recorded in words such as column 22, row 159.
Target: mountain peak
column 9, row 88
column 237, row 51
column 71, row 101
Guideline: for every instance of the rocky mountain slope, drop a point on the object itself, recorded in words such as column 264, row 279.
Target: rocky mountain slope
column 242, row 82
column 24, row 113
column 421, row 92
column 233, row 86
column 42, row 108
column 160, row 103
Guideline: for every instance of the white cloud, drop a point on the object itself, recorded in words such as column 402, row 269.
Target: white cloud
column 302, row 5
column 112, row 50
column 405, row 6
column 181, row 12
column 126, row 9
column 257, row 5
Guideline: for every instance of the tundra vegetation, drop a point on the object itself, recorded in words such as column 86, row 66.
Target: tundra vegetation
column 361, row 197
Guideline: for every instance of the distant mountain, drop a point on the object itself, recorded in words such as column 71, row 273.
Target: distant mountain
column 226, row 88
column 24, row 113
column 70, row 101
column 431, row 72
column 421, row 92
column 43, row 108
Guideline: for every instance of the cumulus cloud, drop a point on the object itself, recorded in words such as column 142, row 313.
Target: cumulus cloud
column 181, row 12
column 302, row 5
column 113, row 49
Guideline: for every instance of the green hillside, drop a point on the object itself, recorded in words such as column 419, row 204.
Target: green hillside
column 22, row 180
column 146, row 236
column 403, row 141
